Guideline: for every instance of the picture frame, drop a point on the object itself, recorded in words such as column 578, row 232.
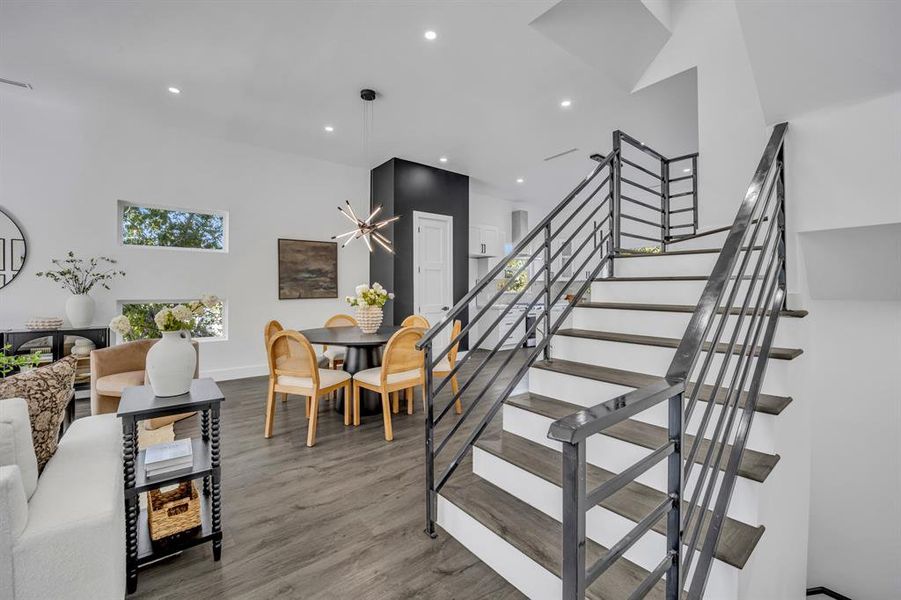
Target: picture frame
column 307, row 269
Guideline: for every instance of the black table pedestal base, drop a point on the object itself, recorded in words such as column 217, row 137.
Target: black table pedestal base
column 356, row 359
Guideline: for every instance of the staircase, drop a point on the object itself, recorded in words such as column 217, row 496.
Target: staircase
column 637, row 419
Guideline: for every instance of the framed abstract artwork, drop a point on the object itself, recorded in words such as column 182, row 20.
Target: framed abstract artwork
column 307, row 269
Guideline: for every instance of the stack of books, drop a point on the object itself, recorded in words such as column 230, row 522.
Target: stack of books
column 165, row 459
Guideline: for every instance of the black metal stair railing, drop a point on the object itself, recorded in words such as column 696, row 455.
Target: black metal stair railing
column 740, row 303
column 554, row 262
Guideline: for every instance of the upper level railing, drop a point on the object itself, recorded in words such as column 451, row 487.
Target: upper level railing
column 655, row 197
column 726, row 346
column 528, row 295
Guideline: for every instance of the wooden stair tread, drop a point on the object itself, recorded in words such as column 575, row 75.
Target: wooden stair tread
column 754, row 465
column 766, row 403
column 633, row 502
column 676, row 308
column 537, row 535
column 628, row 254
column 663, row 342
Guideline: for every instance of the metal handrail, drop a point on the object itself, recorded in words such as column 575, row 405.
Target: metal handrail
column 763, row 314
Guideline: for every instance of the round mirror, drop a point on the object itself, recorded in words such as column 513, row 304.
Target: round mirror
column 12, row 249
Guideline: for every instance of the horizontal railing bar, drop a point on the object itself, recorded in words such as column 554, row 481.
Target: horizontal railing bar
column 627, row 541
column 463, row 303
column 641, row 187
column 682, row 210
column 682, row 178
column 512, row 303
column 684, row 157
column 539, row 348
column 579, row 425
column 488, row 305
column 637, row 220
column 640, row 168
column 680, row 194
column 638, row 145
column 653, row 577
column 627, row 476
column 681, row 226
column 738, row 448
column 500, row 343
column 699, row 325
column 640, row 203
column 640, row 237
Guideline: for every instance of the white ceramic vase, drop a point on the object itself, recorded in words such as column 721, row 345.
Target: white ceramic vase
column 171, row 363
column 80, row 310
column 369, row 318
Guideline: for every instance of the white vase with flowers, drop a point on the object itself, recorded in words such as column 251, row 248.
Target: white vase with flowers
column 369, row 302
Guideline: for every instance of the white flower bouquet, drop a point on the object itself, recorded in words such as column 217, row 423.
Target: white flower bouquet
column 181, row 317
column 370, row 296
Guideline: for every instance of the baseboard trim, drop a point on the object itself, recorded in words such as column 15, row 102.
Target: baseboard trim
column 235, row 372
column 820, row 590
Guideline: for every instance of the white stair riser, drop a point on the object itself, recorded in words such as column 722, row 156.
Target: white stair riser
column 586, row 392
column 675, row 264
column 506, row 560
column 656, row 360
column 616, row 455
column 659, row 291
column 601, row 525
column 714, row 240
column 673, row 324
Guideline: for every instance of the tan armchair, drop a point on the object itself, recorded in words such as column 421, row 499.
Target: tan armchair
column 115, row 368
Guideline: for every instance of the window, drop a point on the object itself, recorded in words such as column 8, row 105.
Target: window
column 210, row 325
column 519, row 283
column 172, row 228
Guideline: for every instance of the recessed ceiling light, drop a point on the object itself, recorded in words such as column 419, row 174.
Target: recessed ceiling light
column 329, row 128
column 174, row 90
column 686, row 170
column 520, row 180
column 430, row 35
column 566, row 103
column 443, row 159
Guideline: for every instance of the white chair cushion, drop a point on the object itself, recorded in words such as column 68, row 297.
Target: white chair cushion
column 327, row 378
column 16, row 445
column 335, row 353
column 443, row 366
column 374, row 376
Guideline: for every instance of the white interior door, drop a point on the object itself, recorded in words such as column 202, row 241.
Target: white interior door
column 433, row 268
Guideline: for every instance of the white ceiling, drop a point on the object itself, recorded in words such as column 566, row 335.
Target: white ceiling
column 485, row 94
column 819, row 53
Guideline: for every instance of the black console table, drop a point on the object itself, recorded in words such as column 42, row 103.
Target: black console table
column 55, row 344
column 137, row 404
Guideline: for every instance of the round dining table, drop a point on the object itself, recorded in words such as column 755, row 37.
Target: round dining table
column 362, row 351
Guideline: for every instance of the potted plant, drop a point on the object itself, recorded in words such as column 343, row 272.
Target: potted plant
column 78, row 276
column 171, row 362
column 369, row 302
column 9, row 362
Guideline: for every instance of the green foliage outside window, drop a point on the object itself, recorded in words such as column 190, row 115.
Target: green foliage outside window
column 520, row 282
column 172, row 228
column 140, row 316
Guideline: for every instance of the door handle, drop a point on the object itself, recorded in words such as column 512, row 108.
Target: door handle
column 483, row 248
column 445, row 308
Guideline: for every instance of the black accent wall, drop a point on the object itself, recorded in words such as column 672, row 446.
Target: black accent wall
column 401, row 187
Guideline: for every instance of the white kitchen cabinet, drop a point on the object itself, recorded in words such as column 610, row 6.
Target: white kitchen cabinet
column 506, row 324
column 485, row 241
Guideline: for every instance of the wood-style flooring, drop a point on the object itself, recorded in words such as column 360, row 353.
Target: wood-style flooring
column 342, row 520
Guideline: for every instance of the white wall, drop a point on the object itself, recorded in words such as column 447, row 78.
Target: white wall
column 62, row 171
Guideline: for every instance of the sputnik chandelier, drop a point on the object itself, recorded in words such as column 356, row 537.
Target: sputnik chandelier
column 365, row 229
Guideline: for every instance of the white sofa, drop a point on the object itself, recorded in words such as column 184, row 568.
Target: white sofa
column 62, row 535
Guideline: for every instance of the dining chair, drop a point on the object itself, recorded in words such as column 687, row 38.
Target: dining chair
column 447, row 363
column 294, row 369
column 416, row 321
column 402, row 369
column 336, row 356
column 273, row 327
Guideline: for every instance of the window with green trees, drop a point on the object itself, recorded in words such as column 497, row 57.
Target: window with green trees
column 140, row 315
column 171, row 228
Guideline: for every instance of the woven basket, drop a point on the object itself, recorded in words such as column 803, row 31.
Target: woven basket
column 173, row 511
